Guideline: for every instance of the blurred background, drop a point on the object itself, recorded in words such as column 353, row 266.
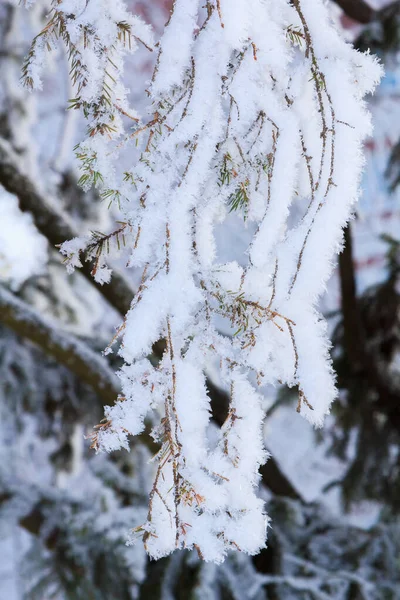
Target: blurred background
column 65, row 512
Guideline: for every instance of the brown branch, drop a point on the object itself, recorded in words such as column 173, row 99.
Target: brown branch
column 359, row 10
column 55, row 224
column 74, row 354
column 362, row 12
column 67, row 350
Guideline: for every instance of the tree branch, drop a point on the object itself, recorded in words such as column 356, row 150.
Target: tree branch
column 86, row 364
column 36, row 508
column 362, row 12
column 54, row 224
column 272, row 475
column 57, row 227
column 354, row 337
column 357, row 9
column 363, row 363
column 95, row 372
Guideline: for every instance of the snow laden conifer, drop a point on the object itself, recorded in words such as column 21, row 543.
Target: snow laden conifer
column 257, row 107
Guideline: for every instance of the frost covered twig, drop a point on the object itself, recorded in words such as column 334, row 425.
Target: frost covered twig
column 258, row 110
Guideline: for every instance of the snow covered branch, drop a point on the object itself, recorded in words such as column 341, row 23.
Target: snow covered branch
column 56, row 227
column 64, row 347
column 257, row 111
column 65, row 525
column 55, row 224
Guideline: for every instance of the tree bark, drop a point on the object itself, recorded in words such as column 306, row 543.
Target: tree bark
column 354, row 337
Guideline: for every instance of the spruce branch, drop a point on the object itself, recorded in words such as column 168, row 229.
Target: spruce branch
column 246, row 147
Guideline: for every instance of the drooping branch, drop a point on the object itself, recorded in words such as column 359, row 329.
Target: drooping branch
column 184, row 141
column 57, row 227
column 198, row 160
column 93, row 370
column 271, row 473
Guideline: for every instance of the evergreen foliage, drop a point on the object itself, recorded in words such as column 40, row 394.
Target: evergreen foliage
column 257, row 118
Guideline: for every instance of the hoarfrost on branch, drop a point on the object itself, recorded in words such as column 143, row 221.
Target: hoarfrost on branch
column 257, row 107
